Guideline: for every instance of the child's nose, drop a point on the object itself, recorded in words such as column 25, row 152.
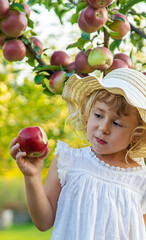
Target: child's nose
column 104, row 127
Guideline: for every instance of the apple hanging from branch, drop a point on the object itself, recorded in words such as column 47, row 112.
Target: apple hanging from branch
column 81, row 62
column 99, row 3
column 117, row 63
column 119, row 25
column 14, row 23
column 14, row 50
column 57, row 81
column 95, row 18
column 100, row 58
column 4, row 7
column 124, row 58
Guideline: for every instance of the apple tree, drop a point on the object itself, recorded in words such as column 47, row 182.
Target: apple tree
column 107, row 28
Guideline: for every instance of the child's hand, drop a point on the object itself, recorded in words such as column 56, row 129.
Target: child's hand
column 28, row 166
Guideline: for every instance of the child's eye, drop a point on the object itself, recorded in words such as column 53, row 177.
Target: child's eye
column 98, row 115
column 117, row 124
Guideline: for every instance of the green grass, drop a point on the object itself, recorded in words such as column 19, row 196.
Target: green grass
column 24, row 232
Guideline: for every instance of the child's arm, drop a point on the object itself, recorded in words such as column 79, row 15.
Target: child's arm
column 41, row 203
column 144, row 216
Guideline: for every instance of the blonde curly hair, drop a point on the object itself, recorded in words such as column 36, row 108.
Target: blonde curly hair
column 78, row 120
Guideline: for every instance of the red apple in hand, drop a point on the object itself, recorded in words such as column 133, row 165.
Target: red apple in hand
column 100, row 58
column 33, row 141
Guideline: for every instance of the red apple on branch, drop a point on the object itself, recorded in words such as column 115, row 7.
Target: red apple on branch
column 99, row 3
column 100, row 58
column 27, row 9
column 124, row 58
column 95, row 17
column 120, row 25
column 83, row 24
column 37, row 43
column 14, row 23
column 81, row 62
column 71, row 67
column 4, row 7
column 60, row 58
column 33, row 141
column 117, row 63
column 14, row 50
column 57, row 81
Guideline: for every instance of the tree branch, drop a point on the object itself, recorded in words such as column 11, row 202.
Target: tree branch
column 137, row 30
column 106, row 39
column 34, row 54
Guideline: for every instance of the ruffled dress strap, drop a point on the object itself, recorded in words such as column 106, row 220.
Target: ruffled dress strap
column 64, row 160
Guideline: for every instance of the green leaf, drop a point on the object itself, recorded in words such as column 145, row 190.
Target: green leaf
column 81, row 6
column 85, row 36
column 48, row 92
column 38, row 78
column 17, row 7
column 31, row 2
column 79, row 44
column 119, row 19
column 122, row 2
column 31, row 61
column 115, row 44
column 70, row 74
column 25, row 40
column 112, row 33
column 30, row 23
column 36, row 49
column 74, row 18
column 47, row 67
column 72, row 45
column 130, row 3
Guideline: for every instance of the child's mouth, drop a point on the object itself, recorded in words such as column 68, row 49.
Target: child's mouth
column 100, row 141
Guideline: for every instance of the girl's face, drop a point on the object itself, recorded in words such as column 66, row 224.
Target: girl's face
column 108, row 133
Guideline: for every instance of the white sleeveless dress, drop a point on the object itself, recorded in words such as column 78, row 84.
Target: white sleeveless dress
column 98, row 201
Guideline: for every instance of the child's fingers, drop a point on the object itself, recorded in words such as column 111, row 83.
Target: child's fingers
column 46, row 153
column 14, row 150
column 20, row 155
column 13, row 142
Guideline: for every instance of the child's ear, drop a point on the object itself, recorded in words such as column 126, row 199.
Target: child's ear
column 136, row 136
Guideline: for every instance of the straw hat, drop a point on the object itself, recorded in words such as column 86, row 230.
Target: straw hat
column 124, row 81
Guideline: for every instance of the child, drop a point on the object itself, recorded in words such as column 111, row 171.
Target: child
column 96, row 192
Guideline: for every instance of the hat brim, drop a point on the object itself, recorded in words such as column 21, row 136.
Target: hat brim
column 76, row 89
